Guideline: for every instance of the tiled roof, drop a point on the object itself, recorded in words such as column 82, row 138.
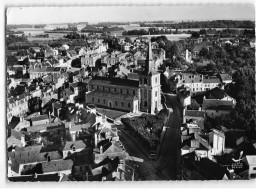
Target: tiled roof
column 214, row 104
column 205, row 167
column 225, row 77
column 194, row 113
column 113, row 96
column 77, row 144
column 191, row 78
column 215, row 93
column 14, row 122
column 84, row 157
column 25, row 157
column 33, row 178
column 68, row 91
column 18, row 97
column 212, row 79
column 56, row 166
column 37, row 128
column 114, row 81
column 13, row 141
column 39, row 118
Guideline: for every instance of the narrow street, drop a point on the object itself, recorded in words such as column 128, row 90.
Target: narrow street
column 167, row 165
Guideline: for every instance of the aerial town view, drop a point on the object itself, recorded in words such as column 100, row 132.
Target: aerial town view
column 130, row 95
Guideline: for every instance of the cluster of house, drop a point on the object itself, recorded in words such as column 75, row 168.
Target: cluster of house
column 86, row 148
column 213, row 154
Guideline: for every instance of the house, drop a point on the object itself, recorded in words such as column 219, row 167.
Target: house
column 71, row 147
column 16, row 139
column 251, row 162
column 196, row 168
column 197, row 48
column 57, row 166
column 40, row 120
column 197, row 82
column 196, row 115
column 225, row 78
column 184, row 95
column 75, row 129
column 36, row 72
column 46, row 127
column 17, row 106
column 218, row 107
column 18, row 160
column 83, row 162
column 90, row 59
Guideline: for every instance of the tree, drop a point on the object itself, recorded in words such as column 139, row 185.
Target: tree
column 128, row 40
column 195, row 35
column 11, row 60
column 203, row 52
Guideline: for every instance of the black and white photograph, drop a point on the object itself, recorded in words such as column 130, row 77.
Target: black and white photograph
column 100, row 93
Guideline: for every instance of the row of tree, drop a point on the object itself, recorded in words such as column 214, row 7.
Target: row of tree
column 205, row 24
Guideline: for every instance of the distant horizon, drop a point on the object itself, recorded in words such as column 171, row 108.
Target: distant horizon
column 235, row 19
column 96, row 14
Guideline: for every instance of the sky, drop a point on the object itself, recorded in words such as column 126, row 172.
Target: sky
column 94, row 14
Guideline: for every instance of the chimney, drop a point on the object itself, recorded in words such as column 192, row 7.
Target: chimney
column 231, row 174
column 22, row 139
column 50, row 116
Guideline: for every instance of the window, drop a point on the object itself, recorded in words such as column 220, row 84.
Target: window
column 127, row 91
column 121, row 91
column 116, row 103
column 254, row 168
column 156, row 93
column 98, row 100
column 156, row 79
column 104, row 101
column 145, row 103
column 92, row 99
column 122, row 104
column 109, row 89
column 98, row 87
column 133, row 92
column 129, row 105
column 145, row 81
column 115, row 89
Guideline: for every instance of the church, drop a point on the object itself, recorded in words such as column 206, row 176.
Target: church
column 128, row 95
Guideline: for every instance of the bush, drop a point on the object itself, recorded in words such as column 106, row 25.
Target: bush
column 148, row 127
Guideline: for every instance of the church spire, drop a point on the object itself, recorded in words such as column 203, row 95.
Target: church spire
column 150, row 61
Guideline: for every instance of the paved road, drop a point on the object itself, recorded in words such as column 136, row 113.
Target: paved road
column 167, row 165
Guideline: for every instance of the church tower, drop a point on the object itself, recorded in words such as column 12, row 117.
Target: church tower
column 150, row 87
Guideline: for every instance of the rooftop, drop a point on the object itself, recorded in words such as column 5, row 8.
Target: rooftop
column 194, row 113
column 56, row 166
column 113, row 96
column 39, row 118
column 77, row 144
column 114, row 81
